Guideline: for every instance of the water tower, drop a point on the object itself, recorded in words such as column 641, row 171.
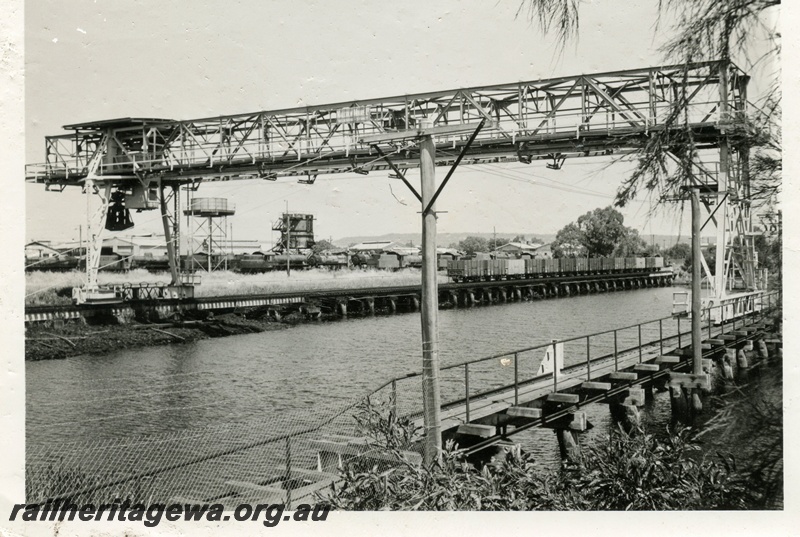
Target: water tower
column 208, row 233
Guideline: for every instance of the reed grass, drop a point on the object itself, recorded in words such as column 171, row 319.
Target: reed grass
column 52, row 288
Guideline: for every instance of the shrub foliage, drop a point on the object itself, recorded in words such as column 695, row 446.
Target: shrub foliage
column 641, row 471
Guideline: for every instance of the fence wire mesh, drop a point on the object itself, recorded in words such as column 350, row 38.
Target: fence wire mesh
column 205, row 464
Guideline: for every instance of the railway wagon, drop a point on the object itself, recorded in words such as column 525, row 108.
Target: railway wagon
column 502, row 269
column 330, row 260
column 443, row 260
column 115, row 262
column 382, row 261
column 411, row 261
column 60, row 263
column 264, row 263
column 534, row 266
column 150, row 263
column 466, row 270
column 516, row 268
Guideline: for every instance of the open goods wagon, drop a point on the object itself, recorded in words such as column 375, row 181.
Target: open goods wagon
column 466, row 270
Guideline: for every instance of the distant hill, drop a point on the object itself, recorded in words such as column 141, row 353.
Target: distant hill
column 445, row 239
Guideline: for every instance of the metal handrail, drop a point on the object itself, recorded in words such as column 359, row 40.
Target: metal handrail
column 196, row 151
column 758, row 308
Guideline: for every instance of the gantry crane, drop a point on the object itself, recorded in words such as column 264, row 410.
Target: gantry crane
column 144, row 163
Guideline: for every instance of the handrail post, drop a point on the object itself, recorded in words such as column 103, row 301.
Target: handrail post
column 660, row 339
column 466, row 388
column 639, row 327
column 709, row 322
column 516, row 379
column 679, row 332
column 555, row 366
column 588, row 359
column 616, row 362
column 722, row 318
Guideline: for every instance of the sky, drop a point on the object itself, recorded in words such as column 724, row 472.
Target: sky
column 92, row 60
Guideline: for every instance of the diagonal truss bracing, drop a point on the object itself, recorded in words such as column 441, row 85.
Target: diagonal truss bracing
column 580, row 115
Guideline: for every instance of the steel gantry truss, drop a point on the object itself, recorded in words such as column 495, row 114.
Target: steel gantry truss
column 608, row 113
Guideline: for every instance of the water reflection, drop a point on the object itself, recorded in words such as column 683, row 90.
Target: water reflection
column 183, row 386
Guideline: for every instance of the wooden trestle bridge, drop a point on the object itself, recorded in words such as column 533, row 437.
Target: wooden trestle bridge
column 147, row 303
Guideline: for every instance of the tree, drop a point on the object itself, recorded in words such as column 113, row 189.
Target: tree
column 569, row 242
column 680, row 250
column 532, row 240
column 709, row 254
column 631, row 245
column 702, row 30
column 652, row 250
column 602, row 231
column 598, row 233
column 494, row 244
column 472, row 244
column 321, row 246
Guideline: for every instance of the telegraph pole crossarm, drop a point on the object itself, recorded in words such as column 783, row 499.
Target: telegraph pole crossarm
column 454, row 166
column 397, row 171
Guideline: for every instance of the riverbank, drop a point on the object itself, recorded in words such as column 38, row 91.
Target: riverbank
column 74, row 339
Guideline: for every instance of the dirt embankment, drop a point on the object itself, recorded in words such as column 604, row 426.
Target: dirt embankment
column 74, row 338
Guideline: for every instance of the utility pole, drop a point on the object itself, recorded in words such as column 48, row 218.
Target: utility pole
column 430, row 294
column 430, row 307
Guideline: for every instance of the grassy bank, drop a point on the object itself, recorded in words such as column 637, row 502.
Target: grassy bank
column 53, row 288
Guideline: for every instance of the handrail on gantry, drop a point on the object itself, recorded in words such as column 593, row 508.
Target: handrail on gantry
column 525, row 120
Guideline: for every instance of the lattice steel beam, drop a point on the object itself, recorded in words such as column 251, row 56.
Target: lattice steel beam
column 580, row 115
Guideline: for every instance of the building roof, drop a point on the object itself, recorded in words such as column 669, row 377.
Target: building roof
column 403, row 250
column 513, row 246
column 375, row 245
column 45, row 245
column 117, row 123
column 140, row 240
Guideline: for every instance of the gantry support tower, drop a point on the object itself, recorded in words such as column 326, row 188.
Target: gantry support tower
column 609, row 113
